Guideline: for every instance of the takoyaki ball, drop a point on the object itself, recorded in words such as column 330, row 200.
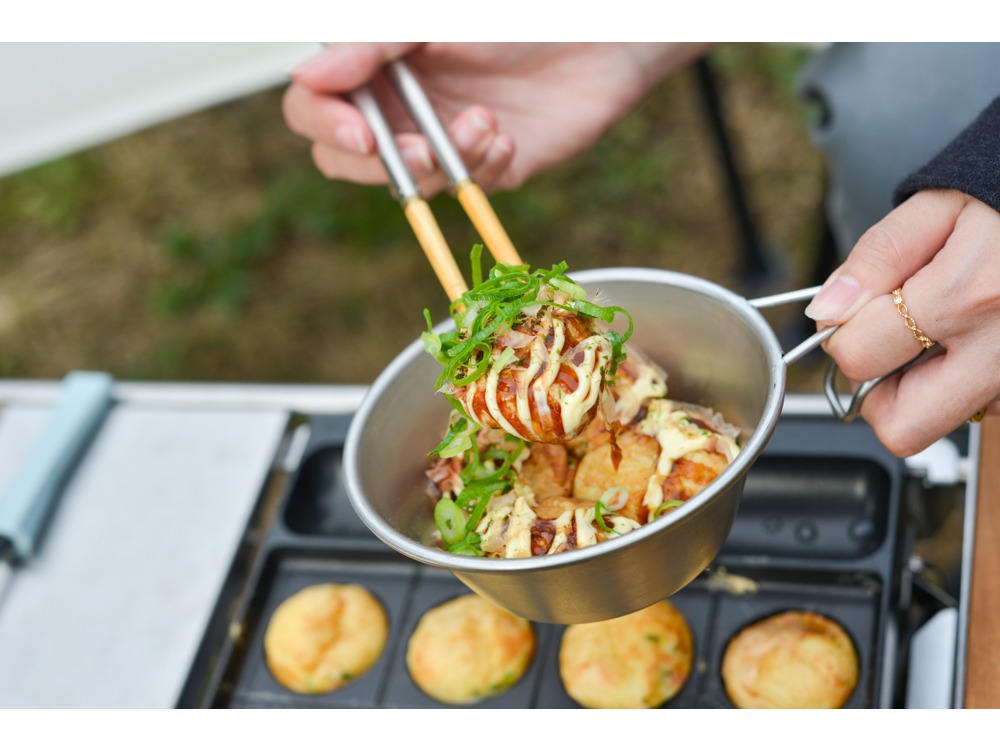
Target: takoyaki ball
column 469, row 649
column 693, row 472
column 596, row 472
column 553, row 507
column 548, row 471
column 324, row 637
column 550, row 389
column 641, row 660
column 793, row 659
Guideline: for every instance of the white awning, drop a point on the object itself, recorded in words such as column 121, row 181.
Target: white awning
column 60, row 98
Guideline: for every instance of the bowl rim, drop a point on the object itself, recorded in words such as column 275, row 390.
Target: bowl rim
column 732, row 474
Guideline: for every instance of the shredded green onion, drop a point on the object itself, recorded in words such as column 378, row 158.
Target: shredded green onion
column 610, row 494
column 492, row 307
column 431, row 340
column 665, row 506
column 450, row 521
column 469, row 546
column 486, row 474
column 475, row 255
column 507, row 356
column 460, row 438
column 571, row 288
column 599, row 510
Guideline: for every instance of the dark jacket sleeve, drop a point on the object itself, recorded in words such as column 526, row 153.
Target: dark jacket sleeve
column 970, row 163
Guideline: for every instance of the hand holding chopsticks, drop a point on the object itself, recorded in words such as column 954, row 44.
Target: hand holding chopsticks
column 418, row 213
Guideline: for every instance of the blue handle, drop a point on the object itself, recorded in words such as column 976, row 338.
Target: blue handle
column 25, row 506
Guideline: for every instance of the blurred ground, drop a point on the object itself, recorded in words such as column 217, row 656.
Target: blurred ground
column 209, row 248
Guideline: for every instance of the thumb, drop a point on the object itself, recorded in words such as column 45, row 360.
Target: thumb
column 344, row 66
column 888, row 254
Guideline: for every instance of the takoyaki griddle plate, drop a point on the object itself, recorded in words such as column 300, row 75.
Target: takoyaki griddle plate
column 818, row 529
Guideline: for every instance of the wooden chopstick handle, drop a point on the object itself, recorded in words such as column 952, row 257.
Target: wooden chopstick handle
column 435, row 247
column 484, row 218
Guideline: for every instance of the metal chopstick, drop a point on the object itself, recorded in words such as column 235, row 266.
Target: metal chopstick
column 422, row 221
column 469, row 194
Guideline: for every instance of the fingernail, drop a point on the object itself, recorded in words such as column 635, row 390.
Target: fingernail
column 351, row 138
column 504, row 145
column 313, row 64
column 500, row 150
column 418, row 153
column 472, row 131
column 834, row 300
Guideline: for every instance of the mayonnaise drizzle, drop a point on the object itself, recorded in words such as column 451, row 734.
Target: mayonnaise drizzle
column 590, row 379
column 535, row 379
column 678, row 435
column 519, row 530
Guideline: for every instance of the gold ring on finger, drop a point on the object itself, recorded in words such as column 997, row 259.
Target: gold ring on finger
column 922, row 338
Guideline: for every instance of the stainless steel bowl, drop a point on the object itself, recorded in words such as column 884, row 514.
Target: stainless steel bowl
column 717, row 350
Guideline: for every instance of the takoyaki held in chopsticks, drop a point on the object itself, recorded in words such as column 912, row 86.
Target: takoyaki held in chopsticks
column 530, row 354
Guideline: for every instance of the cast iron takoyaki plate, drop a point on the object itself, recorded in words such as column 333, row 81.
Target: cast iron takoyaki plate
column 818, row 529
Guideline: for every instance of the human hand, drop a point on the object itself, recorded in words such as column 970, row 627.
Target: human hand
column 512, row 110
column 940, row 246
